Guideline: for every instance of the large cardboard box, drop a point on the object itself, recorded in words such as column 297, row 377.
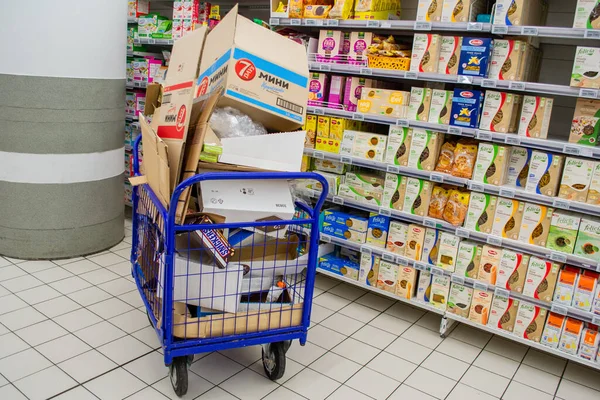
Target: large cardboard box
column 264, row 74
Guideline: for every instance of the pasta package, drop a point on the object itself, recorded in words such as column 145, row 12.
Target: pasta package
column 456, row 207
column 437, row 204
column 465, row 155
column 507, row 221
column 425, row 52
column 446, row 158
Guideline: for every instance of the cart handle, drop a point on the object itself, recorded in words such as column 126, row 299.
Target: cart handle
column 136, row 157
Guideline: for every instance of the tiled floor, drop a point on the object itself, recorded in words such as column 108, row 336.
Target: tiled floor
column 77, row 330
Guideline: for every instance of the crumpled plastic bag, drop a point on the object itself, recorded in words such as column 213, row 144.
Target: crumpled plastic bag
column 228, row 122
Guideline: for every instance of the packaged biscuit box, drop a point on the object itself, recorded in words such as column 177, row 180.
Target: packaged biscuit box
column 407, row 282
column 468, row 259
column 388, row 276
column 503, row 313
column 398, row 145
column 370, row 146
column 337, row 217
column 333, row 167
column 466, row 108
column 311, row 131
column 565, row 285
column 535, row 116
column 462, row 10
column 393, row 192
column 576, row 179
column 440, row 288
column 431, row 245
column 359, row 42
column 459, row 300
column 417, row 196
column 590, row 339
column 336, row 128
column 594, row 192
column 397, row 236
column 429, row 10
column 586, row 68
column 492, row 164
column 415, row 238
column 585, row 289
column 500, row 112
column 506, row 59
column 475, row 54
column 340, row 266
column 419, row 105
column 343, row 232
column 512, row 270
column 530, row 321
column 424, row 287
column 541, row 279
column 588, row 239
column 545, row 170
column 424, row 148
column 441, row 106
column 449, row 55
column 481, row 212
column 365, row 180
column 323, row 126
column 364, row 196
column 587, row 14
column 518, row 167
column 353, row 91
column 480, row 306
column 389, row 103
column 369, row 269
column 333, row 180
column 585, row 127
column 330, row 45
column 425, row 53
column 377, row 231
column 563, row 231
column 535, row 225
column 447, row 251
column 317, row 89
column 553, row 329
column 507, row 221
column 488, row 266
column 571, row 336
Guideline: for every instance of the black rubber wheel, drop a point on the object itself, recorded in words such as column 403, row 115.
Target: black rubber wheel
column 179, row 375
column 286, row 345
column 274, row 360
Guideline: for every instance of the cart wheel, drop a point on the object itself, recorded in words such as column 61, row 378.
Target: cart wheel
column 149, row 319
column 179, row 375
column 274, row 360
column 286, row 345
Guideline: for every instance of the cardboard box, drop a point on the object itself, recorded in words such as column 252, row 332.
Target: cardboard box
column 499, row 112
column 481, row 212
column 506, row 59
column 512, row 270
column 318, row 86
column 488, row 266
column 323, row 126
column 586, row 68
column 565, row 286
column 388, row 276
column 468, row 259
column 519, row 12
column 530, row 322
column 585, row 290
column 441, row 106
column 335, row 96
column 586, row 15
column 364, row 196
column 429, row 10
column 475, row 54
column 340, row 266
column 563, row 231
column 407, row 282
column 535, row 225
column 503, row 313
column 588, row 239
column 393, row 192
column 388, row 103
column 553, row 330
column 424, row 287
column 518, row 167
column 359, row 42
column 585, row 128
column 343, row 232
column 336, row 128
column 431, row 245
column 576, row 179
column 466, row 108
column 370, row 146
column 414, row 242
column 397, row 236
column 332, row 167
column 378, row 230
column 440, row 288
column 424, row 149
column 425, row 52
column 545, row 170
column 135, row 8
column 507, row 221
column 462, row 10
column 365, row 180
column 311, row 131
column 353, row 90
column 459, row 300
column 535, row 116
column 481, row 303
column 541, row 279
column 571, row 336
column 369, row 269
column 449, row 55
column 271, row 86
column 398, row 145
column 417, row 196
column 594, row 192
column 420, row 102
column 492, row 164
column 330, row 45
column 588, row 348
column 447, row 252
column 352, row 221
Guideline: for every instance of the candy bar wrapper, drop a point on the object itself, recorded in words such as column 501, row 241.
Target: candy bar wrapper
column 215, row 242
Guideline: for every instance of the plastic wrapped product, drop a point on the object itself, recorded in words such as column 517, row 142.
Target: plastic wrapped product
column 228, row 122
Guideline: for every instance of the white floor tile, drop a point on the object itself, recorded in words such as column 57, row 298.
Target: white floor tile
column 248, row 385
column 4, row 262
column 70, row 285
column 149, row 394
column 391, row 324
column 118, row 286
column 423, row 336
column 375, row 302
column 497, row 364
column 99, row 276
column 77, row 393
column 405, row 392
column 149, row 368
column 473, row 336
column 81, row 267
column 3, row 330
column 514, row 351
column 356, row 351
column 346, row 393
column 568, row 390
column 283, row 393
column 52, row 274
column 22, row 283
column 312, row 385
column 39, row 294
column 459, row 349
column 518, row 391
column 116, row 384
column 392, row 366
column 447, row 366
column 11, row 344
column 245, row 355
column 78, row 319
column 537, row 379
column 121, row 269
column 120, row 246
column 215, row 393
column 324, row 282
column 63, row 348
column 32, row 267
column 125, row 253
column 131, row 321
column 408, row 350
column 10, row 272
column 431, row 383
column 373, row 383
column 99, row 334
column 87, row 366
column 3, row 380
column 216, row 368
column 583, row 375
column 147, row 336
column 110, row 308
column 107, row 259
column 405, row 312
column 124, row 349
column 485, row 381
column 342, row 324
column 66, row 261
column 346, row 291
column 545, row 362
column 132, row 298
column 22, row 364
column 374, row 336
column 291, row 369
column 357, row 311
column 4, row 291
column 335, row 367
column 331, row 301
column 11, row 392
column 58, row 306
column 10, row 303
column 325, row 337
column 21, row 318
column 89, row 296
column 430, row 321
column 464, row 392
column 45, row 384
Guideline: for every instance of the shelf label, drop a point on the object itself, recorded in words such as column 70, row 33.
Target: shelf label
column 480, row 286
column 478, row 187
column 151, row 41
column 474, row 26
column 462, row 232
column 317, row 111
column 501, row 292
column 421, row 266
column 592, row 34
column 499, row 30
column 494, row 240
column 366, row 71
column 571, row 150
column 560, row 203
column 389, row 257
column 325, row 238
column 430, row 223
column 468, row 80
column 489, row 83
column 589, row 93
column 516, row 85
column 481, row 135
column 338, row 200
column 386, row 212
column 558, row 257
column 372, row 24
column 437, row 271
column 529, row 31
column 558, row 309
column 402, row 261
column 319, row 155
column 403, row 123
column 295, row 22
column 422, row 26
column 358, row 117
column 333, row 22
column 439, row 178
column 393, row 169
column 411, row 75
column 454, row 130
column 596, row 320
column 386, row 24
column 273, row 21
column 325, row 67
column 312, row 193
column 458, row 279
column 137, row 84
column 510, row 193
column 597, row 268
column 512, row 139
column 312, row 22
column 366, row 250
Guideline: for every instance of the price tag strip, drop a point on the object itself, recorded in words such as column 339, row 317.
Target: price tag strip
column 560, row 203
column 558, row 257
column 558, row 309
column 501, row 292
column 386, row 212
column 390, row 257
column 462, row 232
column 338, row 200
column 325, row 239
column 346, row 160
column 366, row 250
column 454, row 130
column 494, row 241
column 510, row 193
column 403, row 123
column 480, row 286
column 393, row 169
column 458, row 279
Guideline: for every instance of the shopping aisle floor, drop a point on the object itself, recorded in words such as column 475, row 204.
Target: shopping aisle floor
column 78, row 329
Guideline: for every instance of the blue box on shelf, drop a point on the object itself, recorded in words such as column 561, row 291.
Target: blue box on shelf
column 466, row 108
column 339, row 266
column 475, row 55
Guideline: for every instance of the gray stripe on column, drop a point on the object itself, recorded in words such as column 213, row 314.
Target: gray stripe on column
column 59, row 221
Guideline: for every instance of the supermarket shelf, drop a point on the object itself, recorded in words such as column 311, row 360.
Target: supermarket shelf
column 131, row 118
column 530, row 343
column 158, row 42
column 136, row 85
column 132, row 20
column 438, row 177
column 510, row 139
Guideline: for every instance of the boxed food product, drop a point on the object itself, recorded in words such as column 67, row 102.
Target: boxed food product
column 311, row 131
column 475, row 56
column 425, row 52
column 394, row 190
column 461, row 10
column 530, row 321
column 439, row 199
column 352, row 255
column 466, row 108
column 586, row 68
column 553, row 329
column 585, row 128
column 535, row 116
column 459, row 300
column 563, row 231
column 343, row 232
column 535, row 224
column 571, row 335
column 518, row 167
column 424, row 148
column 431, row 246
column 588, row 239
column 407, row 280
column 323, row 126
column 148, row 24
column 583, row 297
column 378, row 230
column 333, row 167
column 340, row 266
column 594, row 192
column 480, row 307
column 388, row 276
column 488, row 266
column 492, row 164
column 545, row 170
column 468, row 259
column 398, row 145
column 417, row 196
column 424, row 287
column 420, row 102
column 447, row 251
column 576, row 179
column 503, row 314
column 352, row 221
column 353, row 91
column 565, row 286
column 429, row 10
column 512, row 270
column 333, row 180
column 456, row 208
column 317, row 89
column 397, row 236
column 481, row 212
column 441, row 106
column 449, row 55
column 500, row 110
column 369, row 269
column 359, row 42
column 590, row 338
column 135, row 8
column 327, row 145
column 507, row 221
column 506, row 59
column 330, row 45
column 519, row 12
column 335, row 96
column 414, row 242
column 465, row 155
column 586, row 14
column 372, row 197
column 365, row 180
column 440, row 286
column 389, row 103
column 370, row 146
column 541, row 279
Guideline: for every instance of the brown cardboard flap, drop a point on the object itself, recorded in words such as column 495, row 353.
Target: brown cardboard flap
column 156, row 162
column 153, row 98
column 271, row 250
column 138, row 180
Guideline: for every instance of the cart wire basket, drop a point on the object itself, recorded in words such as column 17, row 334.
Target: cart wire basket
column 213, row 286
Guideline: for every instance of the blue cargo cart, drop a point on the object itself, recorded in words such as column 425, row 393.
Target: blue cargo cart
column 204, row 294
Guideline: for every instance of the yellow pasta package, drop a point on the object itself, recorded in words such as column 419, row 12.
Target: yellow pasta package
column 456, row 207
